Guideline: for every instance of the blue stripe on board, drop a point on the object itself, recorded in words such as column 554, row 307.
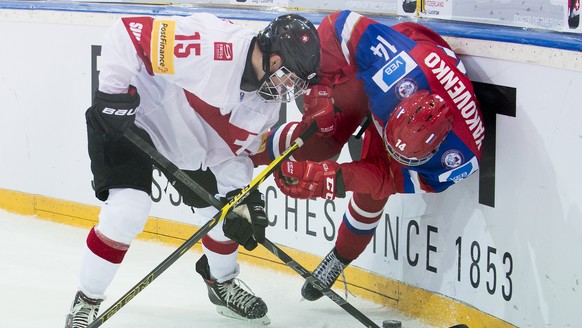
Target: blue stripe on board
column 558, row 40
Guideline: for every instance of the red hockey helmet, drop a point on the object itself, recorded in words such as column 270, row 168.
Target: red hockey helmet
column 417, row 127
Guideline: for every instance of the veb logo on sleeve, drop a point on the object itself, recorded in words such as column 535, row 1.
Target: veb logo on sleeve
column 394, row 71
column 222, row 51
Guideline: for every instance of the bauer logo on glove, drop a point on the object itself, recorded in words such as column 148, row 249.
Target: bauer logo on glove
column 119, row 112
column 112, row 114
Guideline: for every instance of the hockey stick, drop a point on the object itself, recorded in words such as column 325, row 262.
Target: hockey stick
column 275, row 250
column 318, row 284
column 225, row 209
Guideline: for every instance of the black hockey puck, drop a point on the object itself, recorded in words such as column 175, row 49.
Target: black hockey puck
column 391, row 324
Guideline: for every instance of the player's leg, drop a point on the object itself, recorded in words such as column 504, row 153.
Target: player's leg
column 122, row 180
column 355, row 232
column 219, row 270
column 358, row 225
column 218, row 266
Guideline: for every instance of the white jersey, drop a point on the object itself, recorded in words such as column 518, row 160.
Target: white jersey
column 188, row 72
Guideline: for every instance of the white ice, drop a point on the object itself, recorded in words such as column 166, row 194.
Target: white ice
column 39, row 264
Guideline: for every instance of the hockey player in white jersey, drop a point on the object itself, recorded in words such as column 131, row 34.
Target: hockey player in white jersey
column 203, row 91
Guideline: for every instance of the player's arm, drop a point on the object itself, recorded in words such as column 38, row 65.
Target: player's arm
column 329, row 179
column 122, row 55
column 318, row 98
column 126, row 50
column 443, row 179
column 339, row 35
column 116, row 101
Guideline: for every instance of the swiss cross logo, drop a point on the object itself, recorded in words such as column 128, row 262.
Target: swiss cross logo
column 222, row 51
column 305, row 38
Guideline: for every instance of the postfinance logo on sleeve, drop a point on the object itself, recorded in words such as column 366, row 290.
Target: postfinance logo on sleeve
column 163, row 46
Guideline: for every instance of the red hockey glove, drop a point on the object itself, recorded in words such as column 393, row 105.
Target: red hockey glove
column 318, row 105
column 310, row 179
column 112, row 114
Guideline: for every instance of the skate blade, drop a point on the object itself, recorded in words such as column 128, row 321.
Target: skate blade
column 230, row 314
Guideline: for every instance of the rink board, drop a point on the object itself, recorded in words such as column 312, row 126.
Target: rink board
column 502, row 241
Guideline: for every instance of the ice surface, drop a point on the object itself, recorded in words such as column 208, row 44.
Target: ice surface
column 39, row 264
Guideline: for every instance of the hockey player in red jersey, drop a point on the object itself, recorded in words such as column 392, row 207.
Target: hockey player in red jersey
column 203, row 91
column 426, row 130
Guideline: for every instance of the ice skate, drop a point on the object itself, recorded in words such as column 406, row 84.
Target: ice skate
column 231, row 299
column 327, row 271
column 84, row 310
